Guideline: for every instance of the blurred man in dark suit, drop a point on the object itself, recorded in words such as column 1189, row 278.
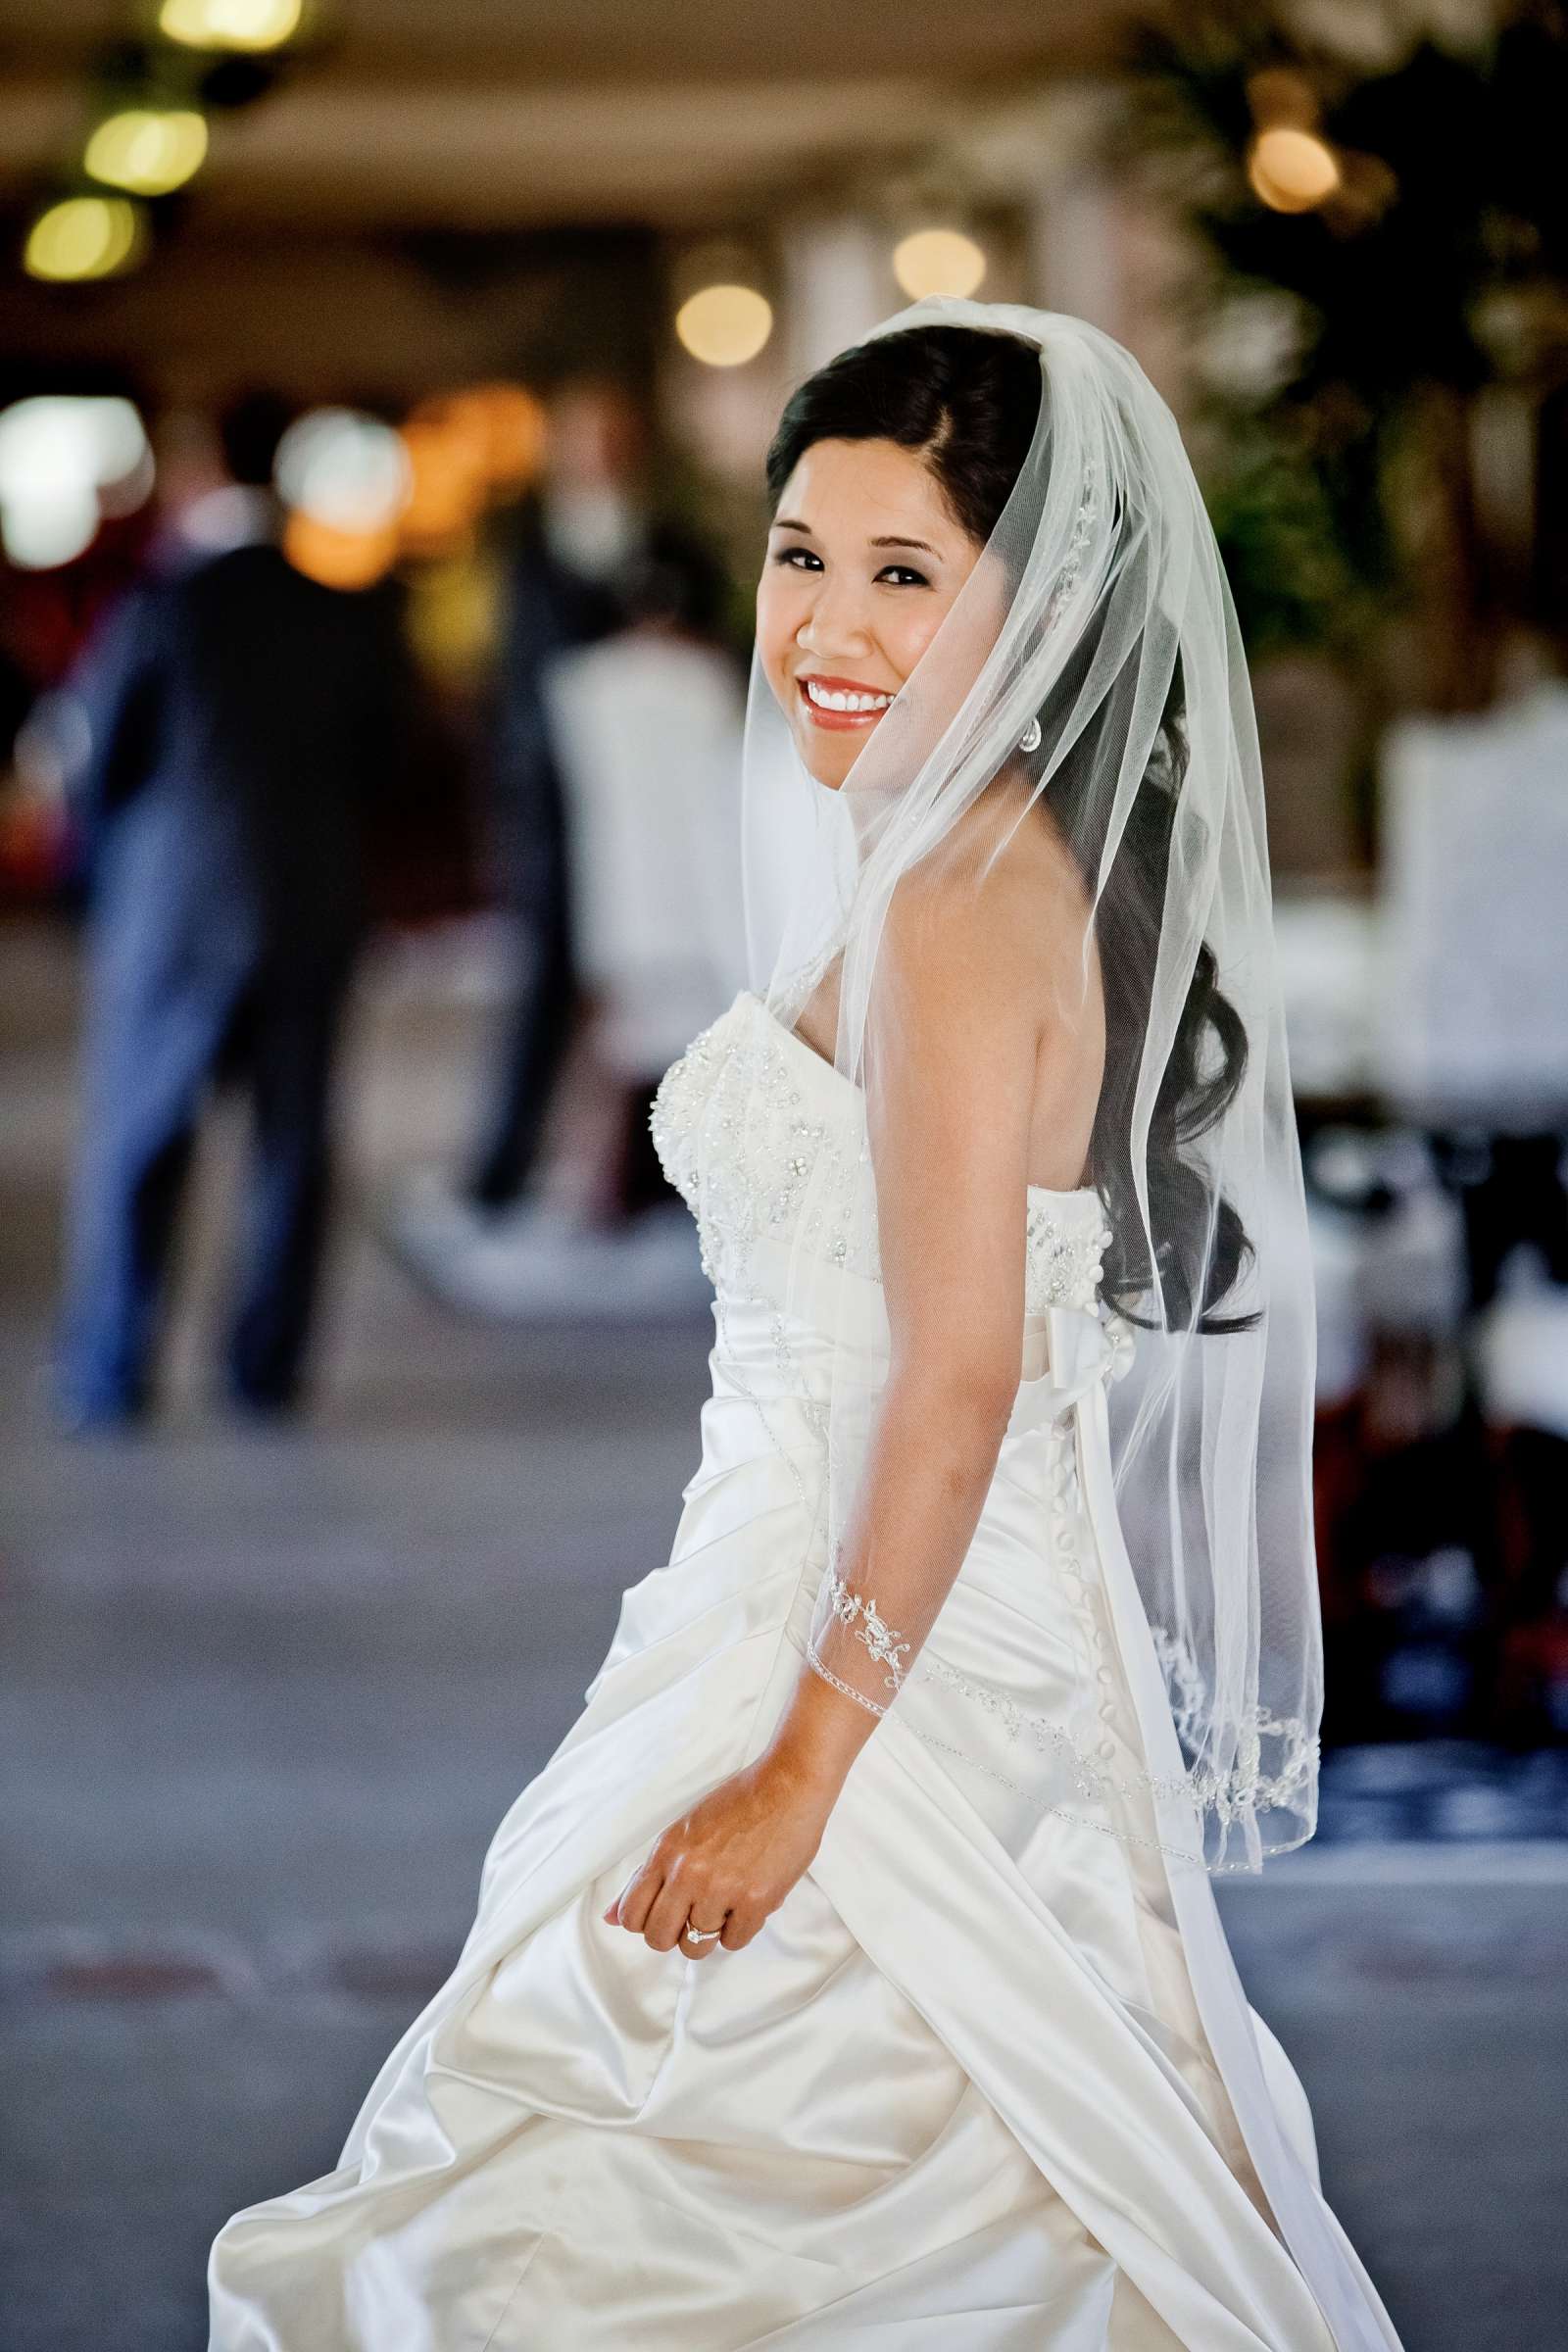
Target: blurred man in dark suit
column 238, row 723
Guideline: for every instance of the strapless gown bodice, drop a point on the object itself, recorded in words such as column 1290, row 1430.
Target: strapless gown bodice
column 766, row 1141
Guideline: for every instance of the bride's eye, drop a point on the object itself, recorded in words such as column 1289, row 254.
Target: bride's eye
column 918, row 577
column 787, row 555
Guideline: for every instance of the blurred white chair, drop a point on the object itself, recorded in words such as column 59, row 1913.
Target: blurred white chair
column 1473, row 987
column 1522, row 1349
column 647, row 729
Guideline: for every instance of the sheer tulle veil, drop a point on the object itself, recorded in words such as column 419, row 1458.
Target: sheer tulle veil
column 1100, row 610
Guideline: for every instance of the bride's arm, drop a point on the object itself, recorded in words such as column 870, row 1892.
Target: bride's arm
column 958, row 1051
column 962, row 1044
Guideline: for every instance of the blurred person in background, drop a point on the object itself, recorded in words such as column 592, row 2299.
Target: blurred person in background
column 576, row 534
column 646, row 728
column 232, row 728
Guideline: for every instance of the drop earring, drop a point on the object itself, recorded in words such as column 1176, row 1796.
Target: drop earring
column 1029, row 740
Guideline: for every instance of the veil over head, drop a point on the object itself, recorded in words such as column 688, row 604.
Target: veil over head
column 1090, row 675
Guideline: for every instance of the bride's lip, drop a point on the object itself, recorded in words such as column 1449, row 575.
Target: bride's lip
column 839, row 722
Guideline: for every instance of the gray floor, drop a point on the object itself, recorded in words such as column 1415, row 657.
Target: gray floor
column 266, row 1697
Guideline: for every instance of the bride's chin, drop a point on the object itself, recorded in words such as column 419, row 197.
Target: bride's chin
column 826, row 758
column 830, row 777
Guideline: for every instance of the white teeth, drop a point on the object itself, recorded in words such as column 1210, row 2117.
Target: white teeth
column 846, row 702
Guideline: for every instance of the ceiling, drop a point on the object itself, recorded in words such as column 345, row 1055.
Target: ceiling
column 514, row 113
column 439, row 190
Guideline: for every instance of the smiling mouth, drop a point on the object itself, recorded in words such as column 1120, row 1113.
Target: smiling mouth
column 841, row 709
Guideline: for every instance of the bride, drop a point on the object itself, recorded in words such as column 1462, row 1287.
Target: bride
column 852, row 1970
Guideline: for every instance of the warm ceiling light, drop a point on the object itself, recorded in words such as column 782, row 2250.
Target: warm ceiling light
column 1291, row 171
column 724, row 326
column 938, row 261
column 83, row 238
column 148, row 150
column 230, row 23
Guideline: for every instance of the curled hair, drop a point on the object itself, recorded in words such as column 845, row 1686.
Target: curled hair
column 967, row 401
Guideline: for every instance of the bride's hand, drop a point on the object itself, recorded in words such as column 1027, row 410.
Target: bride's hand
column 728, row 1862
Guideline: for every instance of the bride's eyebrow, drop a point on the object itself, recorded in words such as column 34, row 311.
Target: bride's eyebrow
column 787, row 522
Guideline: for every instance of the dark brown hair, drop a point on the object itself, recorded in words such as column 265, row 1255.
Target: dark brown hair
column 967, row 401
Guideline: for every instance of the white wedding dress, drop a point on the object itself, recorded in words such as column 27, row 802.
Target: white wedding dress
column 985, row 2081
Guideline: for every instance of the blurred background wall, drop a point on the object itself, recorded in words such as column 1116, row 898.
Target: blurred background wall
column 517, row 295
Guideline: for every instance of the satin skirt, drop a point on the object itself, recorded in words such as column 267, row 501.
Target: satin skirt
column 956, row 2093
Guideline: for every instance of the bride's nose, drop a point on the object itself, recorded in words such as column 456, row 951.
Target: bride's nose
column 834, row 628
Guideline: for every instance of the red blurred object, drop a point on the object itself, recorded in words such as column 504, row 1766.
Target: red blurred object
column 34, row 848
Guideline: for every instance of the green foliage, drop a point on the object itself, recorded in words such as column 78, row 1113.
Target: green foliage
column 1442, row 263
column 1283, row 538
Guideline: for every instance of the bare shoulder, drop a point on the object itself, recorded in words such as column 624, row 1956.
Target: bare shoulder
column 996, row 921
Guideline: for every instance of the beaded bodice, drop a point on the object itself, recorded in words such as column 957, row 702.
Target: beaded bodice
column 761, row 1137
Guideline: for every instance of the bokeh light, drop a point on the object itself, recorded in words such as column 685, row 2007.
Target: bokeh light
column 148, row 150
column 491, row 434
column 724, row 326
column 507, row 423
column 938, row 261
column 345, row 469
column 447, row 491
column 1291, row 171
column 64, row 462
column 230, row 23
column 83, row 238
column 346, row 560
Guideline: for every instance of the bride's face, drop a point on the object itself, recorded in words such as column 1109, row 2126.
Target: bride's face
column 862, row 563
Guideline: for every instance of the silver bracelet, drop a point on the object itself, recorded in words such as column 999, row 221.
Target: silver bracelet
column 848, row 1688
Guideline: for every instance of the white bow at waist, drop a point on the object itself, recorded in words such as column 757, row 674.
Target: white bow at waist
column 1082, row 1349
